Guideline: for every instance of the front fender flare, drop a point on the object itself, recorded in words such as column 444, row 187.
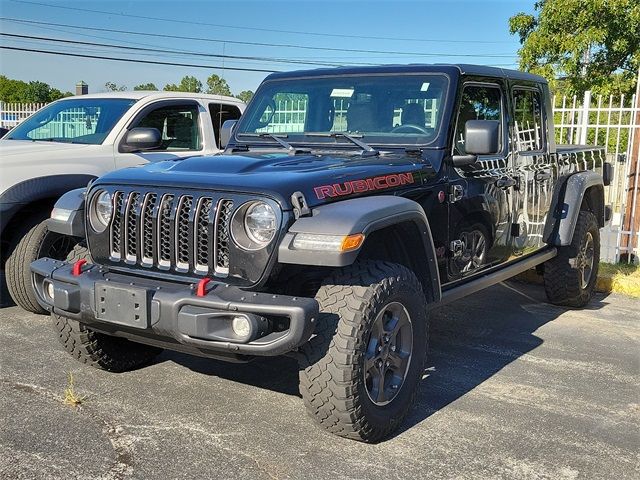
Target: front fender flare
column 359, row 215
column 72, row 202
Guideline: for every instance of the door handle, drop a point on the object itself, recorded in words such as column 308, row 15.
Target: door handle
column 543, row 175
column 506, row 182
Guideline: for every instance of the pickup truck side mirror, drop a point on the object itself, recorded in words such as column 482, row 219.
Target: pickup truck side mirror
column 140, row 139
column 482, row 137
column 226, row 131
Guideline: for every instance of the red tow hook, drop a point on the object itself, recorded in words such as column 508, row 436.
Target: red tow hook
column 201, row 289
column 77, row 267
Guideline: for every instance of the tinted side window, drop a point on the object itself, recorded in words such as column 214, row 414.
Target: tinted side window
column 528, row 120
column 220, row 113
column 478, row 102
column 178, row 125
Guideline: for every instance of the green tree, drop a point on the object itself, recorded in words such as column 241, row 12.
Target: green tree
column 36, row 91
column 12, row 90
column 190, row 84
column 245, row 95
column 587, row 44
column 146, row 86
column 112, row 87
column 218, row 86
column 171, row 87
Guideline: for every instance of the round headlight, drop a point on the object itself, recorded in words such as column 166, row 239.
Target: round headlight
column 101, row 211
column 260, row 223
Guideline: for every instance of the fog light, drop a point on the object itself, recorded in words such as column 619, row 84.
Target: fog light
column 49, row 289
column 241, row 327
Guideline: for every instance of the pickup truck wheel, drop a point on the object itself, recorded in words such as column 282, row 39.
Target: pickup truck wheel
column 359, row 373
column 36, row 241
column 102, row 351
column 570, row 277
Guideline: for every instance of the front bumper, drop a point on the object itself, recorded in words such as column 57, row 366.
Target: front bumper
column 171, row 315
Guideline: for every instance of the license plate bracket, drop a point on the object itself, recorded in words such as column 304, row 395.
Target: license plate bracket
column 122, row 305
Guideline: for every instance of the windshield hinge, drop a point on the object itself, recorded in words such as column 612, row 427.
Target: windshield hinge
column 420, row 153
column 300, row 206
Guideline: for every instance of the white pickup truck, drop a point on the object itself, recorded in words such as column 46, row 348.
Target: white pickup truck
column 70, row 142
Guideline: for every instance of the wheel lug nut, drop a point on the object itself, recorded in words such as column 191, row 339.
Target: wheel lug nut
column 387, row 363
column 393, row 348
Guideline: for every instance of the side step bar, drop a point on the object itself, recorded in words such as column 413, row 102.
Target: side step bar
column 504, row 273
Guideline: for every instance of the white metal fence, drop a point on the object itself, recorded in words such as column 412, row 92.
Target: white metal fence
column 611, row 122
column 11, row 114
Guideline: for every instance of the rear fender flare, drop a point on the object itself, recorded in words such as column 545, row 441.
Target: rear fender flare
column 568, row 200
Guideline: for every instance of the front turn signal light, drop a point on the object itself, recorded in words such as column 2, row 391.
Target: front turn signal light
column 351, row 242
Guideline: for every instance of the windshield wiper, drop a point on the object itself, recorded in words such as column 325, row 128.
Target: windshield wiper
column 278, row 138
column 367, row 150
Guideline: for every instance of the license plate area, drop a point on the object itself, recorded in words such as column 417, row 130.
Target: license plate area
column 123, row 305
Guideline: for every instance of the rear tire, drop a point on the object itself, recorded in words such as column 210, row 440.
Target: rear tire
column 358, row 378
column 570, row 277
column 35, row 241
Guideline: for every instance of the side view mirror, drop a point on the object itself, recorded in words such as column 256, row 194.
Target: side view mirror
column 482, row 137
column 226, row 131
column 140, row 139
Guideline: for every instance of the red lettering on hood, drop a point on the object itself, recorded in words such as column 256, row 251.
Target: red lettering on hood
column 361, row 186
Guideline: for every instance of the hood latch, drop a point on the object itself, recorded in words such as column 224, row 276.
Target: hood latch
column 300, row 206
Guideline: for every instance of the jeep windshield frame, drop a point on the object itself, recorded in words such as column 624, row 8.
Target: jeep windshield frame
column 384, row 110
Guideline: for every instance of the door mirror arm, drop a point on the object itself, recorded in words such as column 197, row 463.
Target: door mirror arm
column 463, row 160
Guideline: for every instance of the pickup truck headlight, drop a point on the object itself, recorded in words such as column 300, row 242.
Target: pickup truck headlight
column 254, row 225
column 101, row 210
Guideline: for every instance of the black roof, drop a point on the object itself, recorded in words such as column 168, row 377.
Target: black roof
column 459, row 68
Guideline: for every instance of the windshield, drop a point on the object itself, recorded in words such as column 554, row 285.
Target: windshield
column 81, row 120
column 379, row 109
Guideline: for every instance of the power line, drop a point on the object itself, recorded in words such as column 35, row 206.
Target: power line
column 258, row 29
column 261, row 44
column 133, row 60
column 155, row 50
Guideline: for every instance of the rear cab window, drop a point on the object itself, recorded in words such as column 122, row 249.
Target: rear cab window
column 528, row 120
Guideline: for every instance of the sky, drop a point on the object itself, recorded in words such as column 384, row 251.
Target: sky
column 389, row 31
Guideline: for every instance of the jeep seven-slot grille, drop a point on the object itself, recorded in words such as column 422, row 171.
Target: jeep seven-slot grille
column 184, row 233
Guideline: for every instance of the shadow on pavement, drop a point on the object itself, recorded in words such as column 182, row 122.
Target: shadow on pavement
column 470, row 341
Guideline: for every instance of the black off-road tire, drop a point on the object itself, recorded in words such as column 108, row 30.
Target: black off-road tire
column 102, row 351
column 562, row 277
column 332, row 375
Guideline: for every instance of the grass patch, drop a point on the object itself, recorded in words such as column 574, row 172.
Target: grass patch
column 71, row 397
column 620, row 278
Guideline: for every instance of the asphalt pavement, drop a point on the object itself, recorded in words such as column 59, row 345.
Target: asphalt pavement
column 516, row 388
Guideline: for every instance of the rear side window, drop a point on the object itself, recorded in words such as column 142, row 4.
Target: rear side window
column 178, row 125
column 527, row 120
column 478, row 102
column 220, row 113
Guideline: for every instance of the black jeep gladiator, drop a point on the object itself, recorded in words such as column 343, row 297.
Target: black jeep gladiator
column 347, row 203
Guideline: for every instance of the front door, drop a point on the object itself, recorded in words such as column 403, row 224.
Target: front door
column 481, row 195
column 179, row 123
column 532, row 167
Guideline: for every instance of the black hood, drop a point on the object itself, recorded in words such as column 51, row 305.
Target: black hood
column 320, row 178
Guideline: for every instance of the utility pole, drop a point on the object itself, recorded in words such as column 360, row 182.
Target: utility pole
column 631, row 222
